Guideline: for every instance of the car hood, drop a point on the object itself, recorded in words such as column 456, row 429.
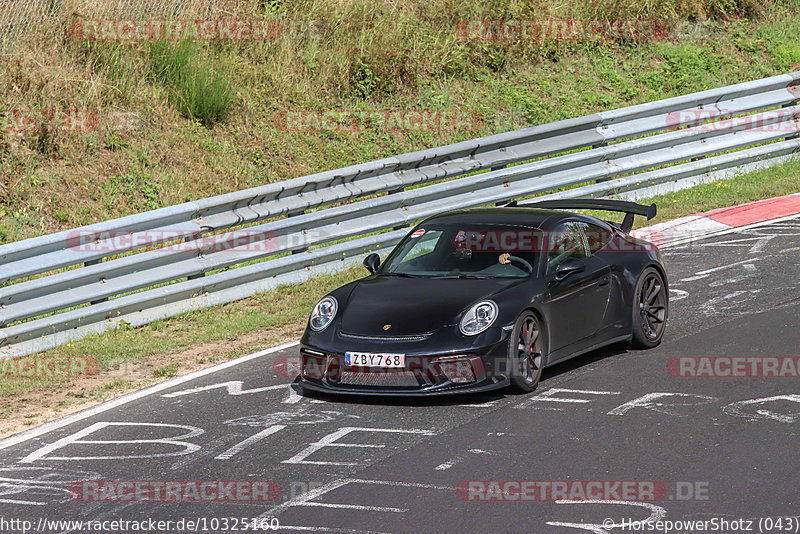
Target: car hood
column 412, row 305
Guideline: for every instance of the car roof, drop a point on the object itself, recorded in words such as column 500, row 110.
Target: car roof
column 531, row 217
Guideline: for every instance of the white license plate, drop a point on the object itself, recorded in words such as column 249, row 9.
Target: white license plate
column 368, row 359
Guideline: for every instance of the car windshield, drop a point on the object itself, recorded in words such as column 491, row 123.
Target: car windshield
column 465, row 251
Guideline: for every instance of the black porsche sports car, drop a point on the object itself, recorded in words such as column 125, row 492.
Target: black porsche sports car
column 480, row 299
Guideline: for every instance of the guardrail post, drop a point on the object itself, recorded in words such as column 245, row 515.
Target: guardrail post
column 698, row 158
column 788, row 105
column 88, row 264
column 497, row 169
column 600, row 145
column 392, row 192
column 302, row 249
column 194, row 237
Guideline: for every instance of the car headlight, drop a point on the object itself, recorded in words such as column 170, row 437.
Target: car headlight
column 478, row 318
column 322, row 314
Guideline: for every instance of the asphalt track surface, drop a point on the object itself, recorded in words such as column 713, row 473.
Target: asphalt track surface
column 724, row 448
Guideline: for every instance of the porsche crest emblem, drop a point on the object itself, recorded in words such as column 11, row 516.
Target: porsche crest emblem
column 387, row 326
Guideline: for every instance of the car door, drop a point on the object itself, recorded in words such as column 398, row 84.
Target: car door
column 577, row 304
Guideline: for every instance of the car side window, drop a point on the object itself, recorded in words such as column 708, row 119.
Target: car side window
column 566, row 241
column 597, row 237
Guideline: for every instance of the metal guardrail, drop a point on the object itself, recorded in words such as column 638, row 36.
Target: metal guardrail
column 176, row 260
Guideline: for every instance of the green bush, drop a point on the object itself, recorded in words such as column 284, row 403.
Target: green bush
column 786, row 55
column 199, row 85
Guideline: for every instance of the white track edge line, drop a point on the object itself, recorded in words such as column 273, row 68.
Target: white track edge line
column 125, row 399
column 715, row 233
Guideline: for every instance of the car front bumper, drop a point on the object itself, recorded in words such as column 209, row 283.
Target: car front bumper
column 447, row 370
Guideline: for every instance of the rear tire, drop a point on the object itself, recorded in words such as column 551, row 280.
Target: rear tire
column 526, row 353
column 650, row 309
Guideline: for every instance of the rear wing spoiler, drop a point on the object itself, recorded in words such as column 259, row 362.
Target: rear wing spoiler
column 628, row 208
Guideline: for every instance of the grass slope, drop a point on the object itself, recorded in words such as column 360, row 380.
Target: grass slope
column 181, row 121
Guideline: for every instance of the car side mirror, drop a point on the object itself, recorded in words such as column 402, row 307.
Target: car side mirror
column 568, row 267
column 372, row 262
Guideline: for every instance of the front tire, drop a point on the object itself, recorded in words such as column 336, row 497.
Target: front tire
column 650, row 309
column 526, row 353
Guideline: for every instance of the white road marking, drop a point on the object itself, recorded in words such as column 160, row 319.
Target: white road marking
column 331, row 439
column 15, row 487
column 699, row 237
column 233, row 387
column 188, row 448
column 651, row 401
column 300, row 416
column 728, row 304
column 125, row 399
column 547, row 396
column 456, row 459
column 307, row 499
column 357, row 507
column 759, row 242
column 488, row 404
column 329, row 529
column 677, row 294
column 699, row 275
column 300, row 500
column 736, row 409
column 295, row 397
column 657, row 514
column 239, row 447
column 31, row 503
column 47, row 482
